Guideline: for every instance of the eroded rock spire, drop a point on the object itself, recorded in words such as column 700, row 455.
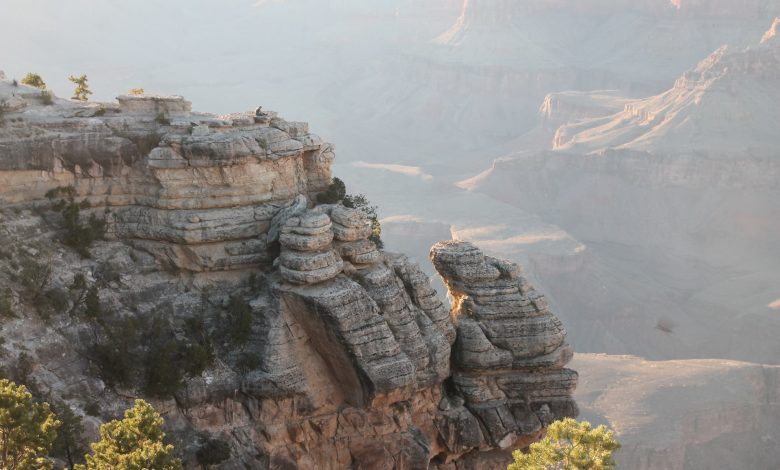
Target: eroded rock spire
column 510, row 351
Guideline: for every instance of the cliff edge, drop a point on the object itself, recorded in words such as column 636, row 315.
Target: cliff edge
column 248, row 311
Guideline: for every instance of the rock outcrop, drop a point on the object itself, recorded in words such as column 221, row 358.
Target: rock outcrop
column 510, row 352
column 345, row 349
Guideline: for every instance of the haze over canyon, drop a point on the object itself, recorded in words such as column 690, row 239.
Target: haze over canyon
column 623, row 152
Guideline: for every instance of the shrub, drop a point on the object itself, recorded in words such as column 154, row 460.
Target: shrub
column 47, row 98
column 334, row 194
column 34, row 278
column 569, row 445
column 361, row 202
column 69, row 445
column 92, row 308
column 6, row 304
column 100, row 111
column 337, row 193
column 77, row 234
column 239, row 321
column 164, row 362
column 82, row 91
column 34, row 80
column 115, row 351
column 247, row 362
column 136, row 91
column 148, row 353
column 213, row 452
column 92, row 408
column 161, row 118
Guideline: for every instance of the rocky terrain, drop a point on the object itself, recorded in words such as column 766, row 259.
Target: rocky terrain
column 317, row 350
column 683, row 414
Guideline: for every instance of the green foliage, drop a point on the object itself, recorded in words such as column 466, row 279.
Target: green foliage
column 27, row 429
column 115, row 352
column 92, row 308
column 213, row 452
column 334, row 194
column 569, row 445
column 92, row 408
column 82, row 91
column 148, row 353
column 61, row 191
column 100, row 111
column 239, row 321
column 70, row 445
column 136, row 91
column 34, row 80
column 6, row 303
column 78, row 234
column 22, row 372
column 247, row 361
column 360, row 201
column 161, row 118
column 133, row 443
column 34, row 278
column 337, row 193
column 47, row 98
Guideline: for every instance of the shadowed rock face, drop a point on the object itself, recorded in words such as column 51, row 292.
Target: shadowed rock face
column 510, row 351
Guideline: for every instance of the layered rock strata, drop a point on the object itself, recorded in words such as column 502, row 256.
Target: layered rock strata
column 345, row 350
column 307, row 257
column 510, row 351
column 197, row 190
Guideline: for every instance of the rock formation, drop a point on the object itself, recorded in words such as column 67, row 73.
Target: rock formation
column 346, row 348
column 510, row 350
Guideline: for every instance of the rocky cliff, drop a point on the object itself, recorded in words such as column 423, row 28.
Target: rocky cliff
column 320, row 350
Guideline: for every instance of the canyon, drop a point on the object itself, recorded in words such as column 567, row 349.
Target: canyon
column 617, row 150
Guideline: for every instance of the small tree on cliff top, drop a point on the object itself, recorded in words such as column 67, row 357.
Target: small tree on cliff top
column 82, row 91
column 569, row 445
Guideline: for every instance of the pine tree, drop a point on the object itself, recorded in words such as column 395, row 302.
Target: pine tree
column 27, row 429
column 569, row 445
column 69, row 445
column 82, row 90
column 132, row 443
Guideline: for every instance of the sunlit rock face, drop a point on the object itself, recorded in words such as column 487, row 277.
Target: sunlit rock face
column 510, row 351
column 727, row 105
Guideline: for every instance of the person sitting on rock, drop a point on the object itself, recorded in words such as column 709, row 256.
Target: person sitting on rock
column 259, row 111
